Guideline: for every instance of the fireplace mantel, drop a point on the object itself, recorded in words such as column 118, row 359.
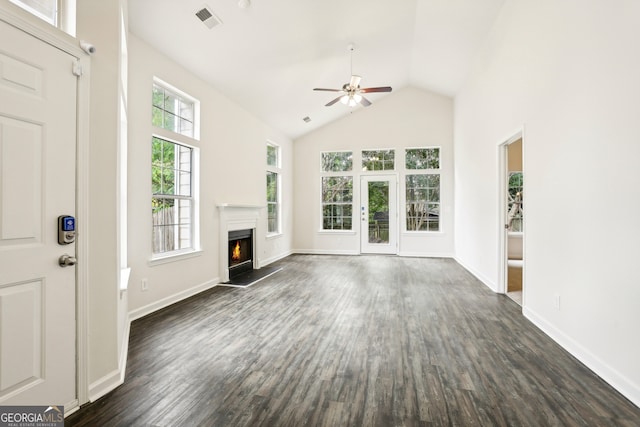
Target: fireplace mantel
column 238, row 217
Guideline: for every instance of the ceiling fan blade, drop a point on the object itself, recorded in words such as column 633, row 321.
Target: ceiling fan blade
column 355, row 81
column 365, row 102
column 328, row 90
column 330, row 103
column 376, row 89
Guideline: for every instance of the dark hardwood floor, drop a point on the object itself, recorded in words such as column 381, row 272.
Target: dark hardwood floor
column 353, row 341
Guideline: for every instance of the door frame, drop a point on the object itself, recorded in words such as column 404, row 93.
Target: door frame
column 392, row 221
column 31, row 25
column 502, row 213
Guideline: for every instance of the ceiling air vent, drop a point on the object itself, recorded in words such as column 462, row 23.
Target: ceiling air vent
column 207, row 17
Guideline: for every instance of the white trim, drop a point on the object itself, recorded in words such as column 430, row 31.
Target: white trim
column 325, row 252
column 426, row 254
column 82, row 246
column 482, row 278
column 335, row 232
column 501, row 286
column 273, row 259
column 174, row 256
column 172, row 299
column 104, row 385
column 609, row 374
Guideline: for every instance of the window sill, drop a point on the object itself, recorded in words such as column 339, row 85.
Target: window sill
column 173, row 257
column 422, row 232
column 274, row 236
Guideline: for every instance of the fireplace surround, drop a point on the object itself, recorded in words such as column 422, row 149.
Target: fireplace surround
column 233, row 220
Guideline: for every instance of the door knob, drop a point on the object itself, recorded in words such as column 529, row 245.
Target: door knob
column 66, row 260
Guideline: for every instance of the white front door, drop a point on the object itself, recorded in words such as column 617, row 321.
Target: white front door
column 37, row 184
column 378, row 214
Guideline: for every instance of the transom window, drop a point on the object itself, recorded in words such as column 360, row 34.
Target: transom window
column 337, row 161
column 422, row 158
column 378, row 160
column 422, row 184
column 47, row 10
column 173, row 111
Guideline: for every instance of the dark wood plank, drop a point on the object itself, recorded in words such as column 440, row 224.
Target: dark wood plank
column 353, row 341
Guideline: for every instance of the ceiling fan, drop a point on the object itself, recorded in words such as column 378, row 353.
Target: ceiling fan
column 351, row 92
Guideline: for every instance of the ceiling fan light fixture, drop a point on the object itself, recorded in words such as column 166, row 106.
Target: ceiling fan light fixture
column 352, row 102
column 357, row 98
column 344, row 99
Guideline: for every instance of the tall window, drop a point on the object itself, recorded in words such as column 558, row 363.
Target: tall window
column 378, row 160
column 173, row 173
column 273, row 186
column 422, row 189
column 337, row 190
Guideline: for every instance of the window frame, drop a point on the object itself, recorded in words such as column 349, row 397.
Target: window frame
column 182, row 97
column 423, row 172
column 378, row 171
column 169, row 135
column 347, row 173
column 65, row 14
column 277, row 170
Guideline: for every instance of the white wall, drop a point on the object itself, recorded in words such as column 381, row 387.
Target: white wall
column 406, row 118
column 232, row 170
column 568, row 72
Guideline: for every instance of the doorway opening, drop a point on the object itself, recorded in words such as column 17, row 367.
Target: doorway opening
column 378, row 214
column 512, row 215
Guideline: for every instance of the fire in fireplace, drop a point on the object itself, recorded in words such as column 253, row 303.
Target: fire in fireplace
column 240, row 252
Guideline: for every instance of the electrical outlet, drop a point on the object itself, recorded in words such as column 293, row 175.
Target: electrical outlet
column 144, row 285
column 557, row 301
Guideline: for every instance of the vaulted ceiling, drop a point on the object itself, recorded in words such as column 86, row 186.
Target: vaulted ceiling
column 269, row 56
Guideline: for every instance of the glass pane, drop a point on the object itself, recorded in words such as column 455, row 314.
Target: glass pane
column 341, row 161
column 272, row 187
column 46, row 10
column 378, row 160
column 515, row 204
column 158, row 96
column 378, row 212
column 156, row 118
column 422, row 158
column 272, row 155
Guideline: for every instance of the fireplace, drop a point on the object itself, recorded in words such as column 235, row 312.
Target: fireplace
column 240, row 252
column 243, row 219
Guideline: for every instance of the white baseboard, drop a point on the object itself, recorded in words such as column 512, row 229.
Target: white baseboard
column 265, row 262
column 171, row 299
column 628, row 389
column 105, row 384
column 485, row 280
column 425, row 255
column 324, row 252
column 115, row 378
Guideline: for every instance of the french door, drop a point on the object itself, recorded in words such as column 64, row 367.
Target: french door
column 378, row 214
